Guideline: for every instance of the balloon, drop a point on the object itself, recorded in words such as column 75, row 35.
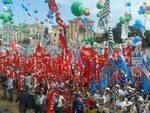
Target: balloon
column 98, row 15
column 23, row 7
column 139, row 25
column 122, row 19
column 128, row 4
column 142, row 10
column 50, row 15
column 42, row 22
column 87, row 12
column 148, row 12
column 46, row 20
column 128, row 18
column 80, row 24
column 7, row 2
column 100, row 5
column 35, row 11
column 6, row 19
column 136, row 39
column 29, row 14
column 7, row 9
column 82, row 20
column 145, row 2
column 2, row 16
column 77, row 9
column 11, row 22
column 148, row 7
column 46, row 1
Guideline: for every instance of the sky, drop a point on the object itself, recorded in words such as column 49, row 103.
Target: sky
column 117, row 10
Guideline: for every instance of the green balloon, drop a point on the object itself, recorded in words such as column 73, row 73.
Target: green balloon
column 1, row 16
column 122, row 19
column 98, row 15
column 100, row 5
column 7, row 2
column 6, row 19
column 77, row 9
column 11, row 22
column 42, row 22
column 35, row 11
column 11, row 14
column 128, row 18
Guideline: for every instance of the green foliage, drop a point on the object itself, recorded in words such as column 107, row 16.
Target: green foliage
column 117, row 33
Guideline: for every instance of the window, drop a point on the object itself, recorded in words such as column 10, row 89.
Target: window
column 55, row 34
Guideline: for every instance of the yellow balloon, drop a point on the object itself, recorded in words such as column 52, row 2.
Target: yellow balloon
column 148, row 12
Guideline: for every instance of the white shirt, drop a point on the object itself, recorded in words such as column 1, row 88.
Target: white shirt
column 105, row 99
column 121, row 92
column 59, row 100
column 28, row 80
column 33, row 88
column 41, row 99
column 10, row 83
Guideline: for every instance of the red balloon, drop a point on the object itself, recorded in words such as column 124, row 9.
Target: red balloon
column 148, row 7
column 80, row 24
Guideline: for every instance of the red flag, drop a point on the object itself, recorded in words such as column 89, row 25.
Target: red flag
column 39, row 50
column 62, row 42
column 13, row 44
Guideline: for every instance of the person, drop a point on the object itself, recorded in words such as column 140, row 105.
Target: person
column 3, row 81
column 44, row 86
column 10, row 88
column 50, row 96
column 23, row 98
column 40, row 100
column 78, row 105
column 32, row 91
column 28, row 79
column 58, row 103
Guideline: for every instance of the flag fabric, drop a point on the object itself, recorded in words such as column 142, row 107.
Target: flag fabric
column 103, row 82
column 13, row 44
column 145, row 84
column 62, row 42
column 93, row 85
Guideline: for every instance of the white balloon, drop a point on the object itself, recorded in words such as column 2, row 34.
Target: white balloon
column 5, row 9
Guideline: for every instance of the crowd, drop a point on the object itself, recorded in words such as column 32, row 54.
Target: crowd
column 59, row 96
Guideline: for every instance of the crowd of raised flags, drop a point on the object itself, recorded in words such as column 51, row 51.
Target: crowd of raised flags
column 89, row 64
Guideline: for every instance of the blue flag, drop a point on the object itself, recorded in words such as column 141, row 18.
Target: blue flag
column 122, row 65
column 145, row 84
column 93, row 86
column 103, row 83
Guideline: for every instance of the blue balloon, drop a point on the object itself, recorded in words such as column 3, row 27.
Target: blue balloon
column 6, row 2
column 46, row 1
column 23, row 7
column 136, row 39
column 50, row 15
column 142, row 10
column 139, row 25
column 82, row 20
column 128, row 4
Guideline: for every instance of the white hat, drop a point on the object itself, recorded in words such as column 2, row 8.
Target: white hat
column 141, row 99
column 131, row 91
column 117, row 85
column 107, row 88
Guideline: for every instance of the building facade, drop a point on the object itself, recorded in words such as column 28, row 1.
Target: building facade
column 74, row 31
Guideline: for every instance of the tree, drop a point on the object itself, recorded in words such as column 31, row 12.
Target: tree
column 146, row 40
column 117, row 33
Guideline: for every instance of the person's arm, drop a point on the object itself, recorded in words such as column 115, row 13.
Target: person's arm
column 84, row 109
